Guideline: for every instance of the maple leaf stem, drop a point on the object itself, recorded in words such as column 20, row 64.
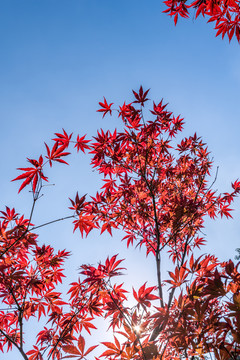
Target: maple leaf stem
column 142, row 116
column 23, row 353
column 116, row 304
column 209, row 351
column 215, row 179
column 63, row 332
column 158, row 264
column 20, row 349
column 52, row 222
column 20, row 319
column 158, row 256
column 157, row 330
column 20, row 316
column 164, row 349
column 182, row 262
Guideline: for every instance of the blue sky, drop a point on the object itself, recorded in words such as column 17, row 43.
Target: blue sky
column 59, row 58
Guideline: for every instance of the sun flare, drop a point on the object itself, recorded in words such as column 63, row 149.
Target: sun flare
column 137, row 328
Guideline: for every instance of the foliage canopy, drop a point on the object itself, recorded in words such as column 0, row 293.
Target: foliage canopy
column 158, row 191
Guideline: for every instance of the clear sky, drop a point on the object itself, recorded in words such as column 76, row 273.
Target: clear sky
column 59, row 58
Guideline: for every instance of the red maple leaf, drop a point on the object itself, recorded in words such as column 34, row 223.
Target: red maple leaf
column 32, row 174
column 105, row 107
column 141, row 97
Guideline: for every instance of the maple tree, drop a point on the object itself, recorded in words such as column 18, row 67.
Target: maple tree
column 225, row 14
column 158, row 192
